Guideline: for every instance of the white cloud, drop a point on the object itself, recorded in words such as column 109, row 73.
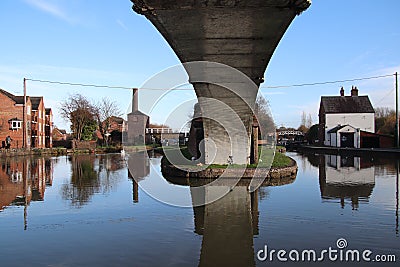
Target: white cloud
column 52, row 9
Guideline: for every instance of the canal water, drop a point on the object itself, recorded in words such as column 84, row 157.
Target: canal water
column 87, row 210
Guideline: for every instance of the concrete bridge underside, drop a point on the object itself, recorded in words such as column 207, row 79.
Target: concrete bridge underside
column 242, row 34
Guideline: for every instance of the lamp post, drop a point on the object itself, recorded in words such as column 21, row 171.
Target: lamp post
column 25, row 121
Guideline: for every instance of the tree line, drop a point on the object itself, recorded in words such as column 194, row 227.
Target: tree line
column 88, row 117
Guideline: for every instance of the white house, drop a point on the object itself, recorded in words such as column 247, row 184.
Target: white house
column 342, row 118
column 344, row 136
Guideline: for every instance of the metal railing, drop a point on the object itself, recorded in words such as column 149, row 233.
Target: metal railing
column 160, row 131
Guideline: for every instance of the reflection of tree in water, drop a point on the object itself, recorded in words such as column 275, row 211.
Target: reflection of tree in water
column 108, row 165
column 313, row 159
column 84, row 181
column 92, row 174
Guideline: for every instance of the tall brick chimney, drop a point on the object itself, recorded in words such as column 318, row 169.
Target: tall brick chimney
column 354, row 91
column 135, row 100
column 342, row 91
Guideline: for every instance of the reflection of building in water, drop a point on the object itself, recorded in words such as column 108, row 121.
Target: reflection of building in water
column 23, row 180
column 227, row 226
column 138, row 169
column 346, row 178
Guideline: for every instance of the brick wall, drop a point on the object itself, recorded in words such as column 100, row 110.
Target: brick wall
column 9, row 110
column 38, row 126
column 37, row 123
column 83, row 144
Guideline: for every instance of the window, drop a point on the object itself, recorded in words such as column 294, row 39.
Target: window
column 15, row 124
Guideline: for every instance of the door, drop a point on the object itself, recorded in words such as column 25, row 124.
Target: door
column 347, row 140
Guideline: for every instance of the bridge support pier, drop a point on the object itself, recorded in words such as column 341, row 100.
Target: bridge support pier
column 242, row 34
column 227, row 123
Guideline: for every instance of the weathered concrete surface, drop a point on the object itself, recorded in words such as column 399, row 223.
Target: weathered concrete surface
column 240, row 33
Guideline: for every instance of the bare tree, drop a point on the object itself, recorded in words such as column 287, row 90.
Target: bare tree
column 309, row 121
column 79, row 111
column 105, row 110
column 385, row 120
column 264, row 117
column 303, row 119
column 383, row 112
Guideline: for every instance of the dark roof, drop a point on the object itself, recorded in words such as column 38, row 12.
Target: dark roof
column 35, row 100
column 4, row 92
column 346, row 191
column 16, row 99
column 48, row 110
column 14, row 119
column 346, row 104
column 337, row 128
column 19, row 100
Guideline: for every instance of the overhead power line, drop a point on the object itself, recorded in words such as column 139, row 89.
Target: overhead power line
column 390, row 92
column 185, row 89
column 328, row 82
column 103, row 86
column 80, row 84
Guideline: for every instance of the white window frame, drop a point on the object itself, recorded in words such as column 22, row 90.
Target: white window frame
column 15, row 125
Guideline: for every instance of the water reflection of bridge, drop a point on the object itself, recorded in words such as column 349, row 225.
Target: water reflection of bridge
column 228, row 224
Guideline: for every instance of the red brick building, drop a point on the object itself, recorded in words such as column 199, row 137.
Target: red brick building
column 59, row 134
column 117, row 126
column 39, row 121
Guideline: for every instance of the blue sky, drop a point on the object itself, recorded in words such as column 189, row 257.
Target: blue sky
column 105, row 42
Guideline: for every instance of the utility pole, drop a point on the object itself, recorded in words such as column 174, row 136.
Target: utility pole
column 397, row 195
column 25, row 119
column 397, row 110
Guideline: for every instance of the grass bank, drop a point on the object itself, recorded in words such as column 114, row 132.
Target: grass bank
column 279, row 161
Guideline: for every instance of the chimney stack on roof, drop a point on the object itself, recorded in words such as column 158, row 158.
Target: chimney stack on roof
column 342, row 91
column 135, row 100
column 354, row 91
